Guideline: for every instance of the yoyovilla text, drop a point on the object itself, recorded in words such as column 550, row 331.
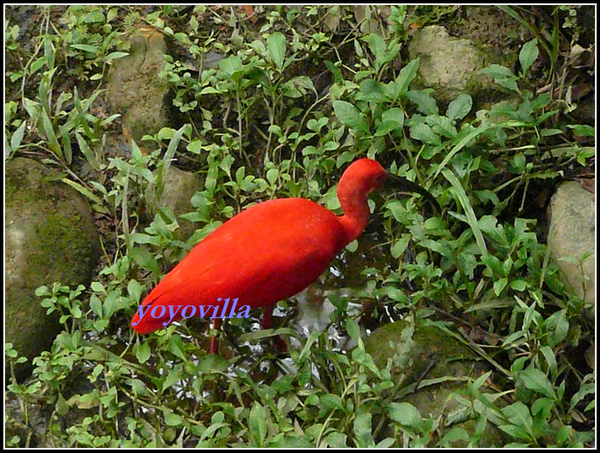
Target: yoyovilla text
column 187, row 311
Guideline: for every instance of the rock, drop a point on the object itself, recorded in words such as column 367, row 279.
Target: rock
column 179, row 187
column 135, row 88
column 429, row 353
column 572, row 238
column 496, row 33
column 50, row 236
column 449, row 65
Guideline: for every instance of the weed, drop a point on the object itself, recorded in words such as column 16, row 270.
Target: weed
column 290, row 102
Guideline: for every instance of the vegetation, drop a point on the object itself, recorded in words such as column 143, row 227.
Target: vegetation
column 299, row 93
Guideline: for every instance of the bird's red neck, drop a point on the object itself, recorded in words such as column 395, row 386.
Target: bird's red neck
column 356, row 214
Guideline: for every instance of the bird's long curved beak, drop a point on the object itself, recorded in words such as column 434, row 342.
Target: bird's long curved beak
column 401, row 184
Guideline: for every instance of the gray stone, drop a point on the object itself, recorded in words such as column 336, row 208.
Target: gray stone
column 572, row 238
column 135, row 88
column 428, row 353
column 179, row 188
column 449, row 65
column 50, row 237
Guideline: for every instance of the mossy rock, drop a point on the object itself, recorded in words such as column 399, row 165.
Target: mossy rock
column 135, row 88
column 448, row 65
column 179, row 188
column 50, row 237
column 572, row 240
column 428, row 353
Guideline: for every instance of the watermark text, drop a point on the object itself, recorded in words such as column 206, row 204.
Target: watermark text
column 187, row 311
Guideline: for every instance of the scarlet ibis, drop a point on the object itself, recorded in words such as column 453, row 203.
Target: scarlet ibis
column 267, row 253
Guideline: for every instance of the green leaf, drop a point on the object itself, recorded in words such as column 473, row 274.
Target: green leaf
column 550, row 132
column 454, row 435
column 37, row 64
column 316, row 125
column 584, row 390
column 466, row 205
column 231, row 65
column 394, row 114
column 371, row 90
column 168, row 157
column 301, row 85
column 87, row 193
column 499, row 285
column 497, row 71
column 424, row 133
column 312, row 337
column 51, row 135
column 115, row 55
column 195, row 146
column 518, row 162
column 550, row 359
column 257, row 424
column 518, row 285
column 442, row 125
column 260, row 77
column 15, row 140
column 438, row 247
column 338, row 78
column 405, row 413
column 272, row 175
column 32, row 107
column 143, row 352
column 461, row 144
column 362, row 431
column 172, row 419
column 87, row 152
column 353, row 329
column 209, row 90
column 407, row 74
column 385, row 128
column 583, row 130
column 334, row 440
column 96, row 305
column 391, row 120
column 276, row 46
column 516, row 432
column 65, row 136
column 332, row 401
column 557, row 326
column 537, row 381
column 400, row 246
column 528, row 55
column 502, row 76
column 350, row 116
column 386, row 443
column 518, row 414
column 86, row 48
column 424, row 102
column 460, row 107
column 135, row 290
column 376, row 45
column 541, row 408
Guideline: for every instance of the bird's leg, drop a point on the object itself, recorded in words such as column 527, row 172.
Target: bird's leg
column 267, row 323
column 214, row 343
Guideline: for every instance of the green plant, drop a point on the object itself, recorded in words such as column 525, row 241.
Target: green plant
column 292, row 100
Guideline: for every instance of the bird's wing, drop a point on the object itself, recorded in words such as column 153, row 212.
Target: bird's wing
column 265, row 254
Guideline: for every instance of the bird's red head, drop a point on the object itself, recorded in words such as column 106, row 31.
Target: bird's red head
column 361, row 178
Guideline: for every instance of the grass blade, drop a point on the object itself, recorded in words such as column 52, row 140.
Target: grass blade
column 467, row 208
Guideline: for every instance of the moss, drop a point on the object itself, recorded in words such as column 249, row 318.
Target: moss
column 430, row 353
column 50, row 236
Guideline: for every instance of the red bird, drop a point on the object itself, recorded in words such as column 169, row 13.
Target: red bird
column 267, row 253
